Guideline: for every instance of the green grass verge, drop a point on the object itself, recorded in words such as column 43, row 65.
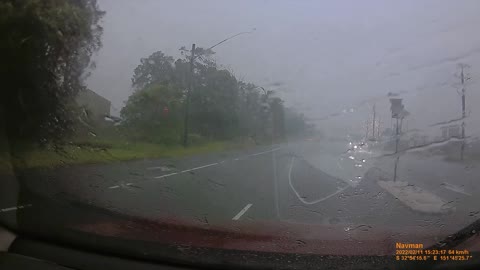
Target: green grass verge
column 44, row 158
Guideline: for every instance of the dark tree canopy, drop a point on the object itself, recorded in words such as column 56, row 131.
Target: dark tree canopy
column 156, row 69
column 46, row 48
column 221, row 107
column 154, row 113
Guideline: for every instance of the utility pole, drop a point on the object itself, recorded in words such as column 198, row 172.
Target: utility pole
column 366, row 126
column 191, row 81
column 401, row 125
column 373, row 122
column 187, row 101
column 398, row 111
column 463, row 78
column 378, row 129
column 396, row 136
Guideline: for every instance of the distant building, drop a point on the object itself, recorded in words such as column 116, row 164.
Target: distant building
column 95, row 106
column 451, row 131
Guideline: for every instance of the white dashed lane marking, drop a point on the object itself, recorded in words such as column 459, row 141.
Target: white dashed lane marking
column 14, row 208
column 243, row 211
column 122, row 185
column 197, row 168
column 264, row 152
column 162, row 168
column 166, row 175
column 213, row 164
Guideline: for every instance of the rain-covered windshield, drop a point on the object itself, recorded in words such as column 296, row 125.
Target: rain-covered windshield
column 306, row 124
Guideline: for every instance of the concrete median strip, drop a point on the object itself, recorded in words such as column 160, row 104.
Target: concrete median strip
column 416, row 198
column 412, row 196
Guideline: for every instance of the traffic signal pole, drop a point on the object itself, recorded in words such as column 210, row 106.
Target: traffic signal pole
column 396, row 136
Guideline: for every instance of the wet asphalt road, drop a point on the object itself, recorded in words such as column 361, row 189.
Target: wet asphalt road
column 297, row 182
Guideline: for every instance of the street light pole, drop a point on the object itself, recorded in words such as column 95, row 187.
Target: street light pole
column 191, row 83
column 463, row 78
column 187, row 101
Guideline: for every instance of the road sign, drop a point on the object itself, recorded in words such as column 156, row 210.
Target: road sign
column 397, row 108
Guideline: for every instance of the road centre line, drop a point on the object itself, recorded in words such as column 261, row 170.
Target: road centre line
column 240, row 214
column 122, row 185
column 212, row 164
column 198, row 168
column 275, row 184
column 300, row 197
column 264, row 152
column 165, row 175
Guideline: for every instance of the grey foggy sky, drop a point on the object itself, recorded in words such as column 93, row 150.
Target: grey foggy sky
column 329, row 55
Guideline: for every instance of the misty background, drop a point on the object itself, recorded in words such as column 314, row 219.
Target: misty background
column 322, row 57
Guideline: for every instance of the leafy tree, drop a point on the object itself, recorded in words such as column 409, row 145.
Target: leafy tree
column 249, row 109
column 155, row 69
column 203, row 57
column 295, row 123
column 46, row 47
column 278, row 117
column 214, row 104
column 221, row 107
column 154, row 114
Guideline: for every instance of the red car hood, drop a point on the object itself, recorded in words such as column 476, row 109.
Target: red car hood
column 269, row 236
